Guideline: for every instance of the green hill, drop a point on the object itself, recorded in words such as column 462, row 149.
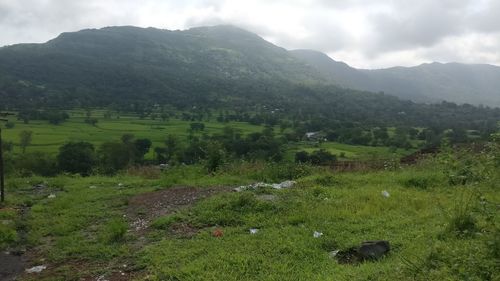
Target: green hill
column 461, row 83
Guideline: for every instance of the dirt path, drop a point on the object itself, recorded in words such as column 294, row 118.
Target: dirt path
column 13, row 261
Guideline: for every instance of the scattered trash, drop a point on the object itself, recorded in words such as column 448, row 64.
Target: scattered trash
column 218, row 233
column 92, row 187
column 374, row 250
column 36, row 269
column 163, row 167
column 120, row 184
column 52, row 195
column 386, row 194
column 285, row 184
column 334, row 253
column 317, row 234
column 368, row 250
column 101, row 278
column 254, row 230
column 40, row 186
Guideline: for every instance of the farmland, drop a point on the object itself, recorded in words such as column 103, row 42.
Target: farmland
column 48, row 138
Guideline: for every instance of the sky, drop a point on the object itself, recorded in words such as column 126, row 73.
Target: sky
column 362, row 33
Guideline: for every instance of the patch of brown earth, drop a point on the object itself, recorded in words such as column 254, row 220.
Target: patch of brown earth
column 144, row 208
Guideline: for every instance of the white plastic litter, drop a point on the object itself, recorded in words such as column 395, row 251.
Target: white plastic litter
column 253, row 230
column 92, row 187
column 51, row 196
column 285, row 184
column 333, row 254
column 317, row 234
column 36, row 269
column 386, row 194
column 120, row 184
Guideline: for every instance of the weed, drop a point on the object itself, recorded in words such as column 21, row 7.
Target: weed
column 115, row 230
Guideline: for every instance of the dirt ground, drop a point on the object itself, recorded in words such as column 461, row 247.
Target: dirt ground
column 141, row 211
column 11, row 265
column 144, row 208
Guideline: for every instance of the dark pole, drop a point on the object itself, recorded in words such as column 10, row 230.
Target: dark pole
column 2, row 187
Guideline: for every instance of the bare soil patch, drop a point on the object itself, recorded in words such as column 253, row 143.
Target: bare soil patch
column 144, row 208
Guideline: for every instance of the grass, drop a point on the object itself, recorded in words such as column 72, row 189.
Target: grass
column 351, row 152
column 84, row 224
column 48, row 138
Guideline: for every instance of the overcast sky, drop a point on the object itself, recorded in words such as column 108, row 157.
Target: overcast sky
column 362, row 33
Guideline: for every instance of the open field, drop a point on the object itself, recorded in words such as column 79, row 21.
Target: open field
column 111, row 227
column 48, row 138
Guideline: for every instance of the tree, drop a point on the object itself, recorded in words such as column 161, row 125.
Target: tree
column 25, row 138
column 114, row 156
column 76, row 157
column 302, row 157
column 142, row 147
column 127, row 138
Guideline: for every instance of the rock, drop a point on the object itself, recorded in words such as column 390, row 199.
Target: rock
column 373, row 250
column 36, row 269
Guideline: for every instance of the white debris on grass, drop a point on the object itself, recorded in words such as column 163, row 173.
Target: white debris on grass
column 92, row 187
column 317, row 234
column 120, row 184
column 254, row 230
column 101, row 278
column 285, row 184
column 386, row 194
column 334, row 253
column 51, row 196
column 36, row 269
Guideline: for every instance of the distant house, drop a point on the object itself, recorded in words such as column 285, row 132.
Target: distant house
column 315, row 136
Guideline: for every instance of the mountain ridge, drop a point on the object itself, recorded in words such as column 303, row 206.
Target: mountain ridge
column 212, row 62
column 428, row 82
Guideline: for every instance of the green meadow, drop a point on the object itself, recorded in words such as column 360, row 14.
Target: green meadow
column 86, row 230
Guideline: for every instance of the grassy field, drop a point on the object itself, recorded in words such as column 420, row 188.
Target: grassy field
column 88, row 230
column 48, row 138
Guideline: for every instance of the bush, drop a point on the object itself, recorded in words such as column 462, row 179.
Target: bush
column 10, row 125
column 76, row 157
column 37, row 163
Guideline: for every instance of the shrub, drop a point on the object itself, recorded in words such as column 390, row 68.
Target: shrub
column 419, row 182
column 115, row 230
column 37, row 163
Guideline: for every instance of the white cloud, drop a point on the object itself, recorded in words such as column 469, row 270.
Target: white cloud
column 368, row 34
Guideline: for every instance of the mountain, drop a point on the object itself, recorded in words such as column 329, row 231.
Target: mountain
column 123, row 64
column 201, row 69
column 435, row 82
